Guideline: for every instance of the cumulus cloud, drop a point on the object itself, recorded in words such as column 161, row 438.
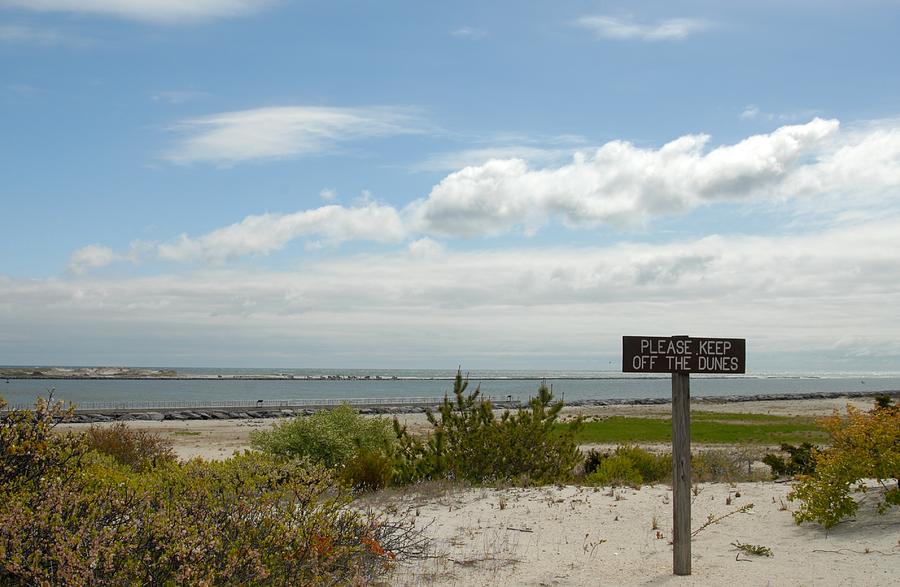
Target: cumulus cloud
column 619, row 183
column 156, row 11
column 611, row 27
column 265, row 233
column 283, row 132
column 829, row 176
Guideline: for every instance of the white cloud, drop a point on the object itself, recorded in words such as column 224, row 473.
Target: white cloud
column 176, row 96
column 832, row 292
column 426, row 247
column 282, row 132
column 467, row 32
column 455, row 160
column 21, row 34
column 753, row 112
column 620, row 183
column 159, row 11
column 831, row 177
column 750, row 112
column 265, row 233
column 611, row 27
column 98, row 256
column 328, row 194
column 92, row 257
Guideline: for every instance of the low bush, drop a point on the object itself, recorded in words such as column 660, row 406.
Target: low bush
column 330, row 437
column 87, row 519
column 469, row 442
column 865, row 445
column 368, row 470
column 138, row 449
column 614, row 471
column 29, row 447
column 592, row 460
column 626, row 465
column 716, row 465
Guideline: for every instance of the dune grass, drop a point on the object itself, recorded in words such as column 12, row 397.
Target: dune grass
column 706, row 428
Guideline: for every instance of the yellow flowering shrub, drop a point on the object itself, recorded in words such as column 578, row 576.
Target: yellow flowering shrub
column 865, row 445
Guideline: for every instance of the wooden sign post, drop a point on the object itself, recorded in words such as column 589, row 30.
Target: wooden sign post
column 681, row 356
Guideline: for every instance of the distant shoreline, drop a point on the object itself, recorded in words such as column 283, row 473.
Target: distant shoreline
column 286, row 408
column 147, row 374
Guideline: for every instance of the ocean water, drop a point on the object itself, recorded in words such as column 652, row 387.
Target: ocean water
column 569, row 385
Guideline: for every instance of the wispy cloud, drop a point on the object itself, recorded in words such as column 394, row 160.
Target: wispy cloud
column 23, row 34
column 176, row 96
column 155, row 11
column 467, row 32
column 616, row 28
column 265, row 233
column 97, row 256
column 753, row 112
column 283, row 132
column 455, row 160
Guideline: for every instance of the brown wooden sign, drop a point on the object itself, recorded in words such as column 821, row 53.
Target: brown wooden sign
column 682, row 354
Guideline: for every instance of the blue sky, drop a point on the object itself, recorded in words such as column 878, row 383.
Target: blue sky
column 408, row 184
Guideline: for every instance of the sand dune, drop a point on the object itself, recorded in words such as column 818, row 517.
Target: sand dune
column 581, row 536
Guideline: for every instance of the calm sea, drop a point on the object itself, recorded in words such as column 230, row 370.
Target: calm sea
column 570, row 385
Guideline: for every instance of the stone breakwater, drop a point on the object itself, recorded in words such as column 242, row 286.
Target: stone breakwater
column 287, row 412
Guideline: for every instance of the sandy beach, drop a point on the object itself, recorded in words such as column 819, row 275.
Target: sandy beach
column 582, row 536
column 572, row 535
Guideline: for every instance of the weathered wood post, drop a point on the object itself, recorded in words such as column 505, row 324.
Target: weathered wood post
column 680, row 356
column 681, row 473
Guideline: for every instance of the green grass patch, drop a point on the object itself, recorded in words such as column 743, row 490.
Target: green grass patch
column 185, row 433
column 706, row 428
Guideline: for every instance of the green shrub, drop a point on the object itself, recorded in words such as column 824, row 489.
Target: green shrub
column 653, row 468
column 368, row 470
column 251, row 520
column 330, row 437
column 865, row 445
column 626, row 465
column 137, row 449
column 799, row 461
column 615, row 470
column 592, row 460
column 469, row 442
column 29, row 447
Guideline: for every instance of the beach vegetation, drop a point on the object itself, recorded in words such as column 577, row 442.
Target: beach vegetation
column 470, row 442
column 138, row 449
column 864, row 446
column 798, row 461
column 754, row 549
column 706, row 428
column 626, row 465
column 717, row 465
column 329, row 437
column 73, row 515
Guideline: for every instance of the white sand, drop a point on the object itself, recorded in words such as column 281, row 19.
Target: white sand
column 578, row 536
